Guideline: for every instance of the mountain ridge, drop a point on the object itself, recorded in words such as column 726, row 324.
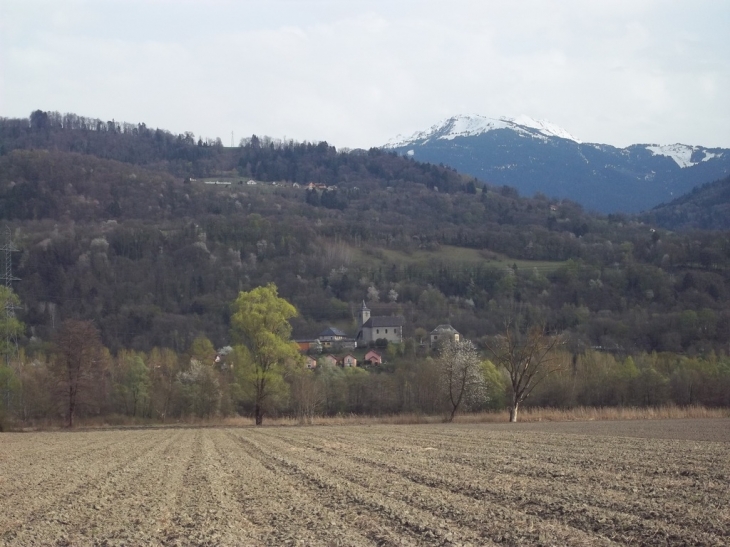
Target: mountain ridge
column 538, row 156
column 475, row 124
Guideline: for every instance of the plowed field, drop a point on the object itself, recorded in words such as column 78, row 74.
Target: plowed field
column 648, row 483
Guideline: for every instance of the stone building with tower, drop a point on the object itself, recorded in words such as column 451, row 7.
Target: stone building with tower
column 372, row 328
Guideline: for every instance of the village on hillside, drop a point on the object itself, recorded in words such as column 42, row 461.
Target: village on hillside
column 335, row 347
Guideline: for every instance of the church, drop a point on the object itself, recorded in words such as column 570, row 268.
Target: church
column 372, row 328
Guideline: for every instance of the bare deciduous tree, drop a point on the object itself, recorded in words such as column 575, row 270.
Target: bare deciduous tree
column 528, row 359
column 307, row 395
column 164, row 366
column 78, row 356
column 462, row 379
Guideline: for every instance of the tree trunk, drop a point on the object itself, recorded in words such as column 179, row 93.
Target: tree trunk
column 71, row 405
column 513, row 412
column 71, row 409
column 259, row 415
column 453, row 411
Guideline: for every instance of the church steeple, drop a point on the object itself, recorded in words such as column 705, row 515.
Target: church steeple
column 364, row 313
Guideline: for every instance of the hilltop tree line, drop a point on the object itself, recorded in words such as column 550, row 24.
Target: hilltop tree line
column 185, row 156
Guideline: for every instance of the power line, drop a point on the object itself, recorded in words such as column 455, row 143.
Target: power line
column 11, row 339
column 8, row 248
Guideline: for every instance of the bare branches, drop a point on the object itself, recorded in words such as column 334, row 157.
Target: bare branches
column 78, row 355
column 527, row 358
column 462, row 379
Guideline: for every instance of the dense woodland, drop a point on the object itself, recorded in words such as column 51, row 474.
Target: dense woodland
column 707, row 207
column 115, row 225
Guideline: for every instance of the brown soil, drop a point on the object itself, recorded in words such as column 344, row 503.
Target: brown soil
column 592, row 483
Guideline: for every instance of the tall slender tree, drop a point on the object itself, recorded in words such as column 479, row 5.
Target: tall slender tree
column 260, row 326
column 78, row 360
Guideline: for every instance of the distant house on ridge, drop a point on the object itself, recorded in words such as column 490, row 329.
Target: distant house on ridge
column 443, row 333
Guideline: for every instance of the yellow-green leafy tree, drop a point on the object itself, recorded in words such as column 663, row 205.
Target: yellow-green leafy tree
column 261, row 330
column 202, row 349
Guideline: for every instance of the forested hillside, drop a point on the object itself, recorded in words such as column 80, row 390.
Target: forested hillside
column 707, row 207
column 115, row 224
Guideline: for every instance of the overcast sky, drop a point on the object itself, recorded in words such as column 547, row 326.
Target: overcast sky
column 356, row 73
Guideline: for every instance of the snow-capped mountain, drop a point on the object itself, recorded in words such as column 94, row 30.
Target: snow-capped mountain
column 474, row 125
column 539, row 156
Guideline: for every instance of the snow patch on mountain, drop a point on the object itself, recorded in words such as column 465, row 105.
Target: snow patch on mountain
column 681, row 153
column 469, row 126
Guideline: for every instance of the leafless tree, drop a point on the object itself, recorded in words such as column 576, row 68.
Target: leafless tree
column 165, row 366
column 462, row 379
column 78, row 356
column 307, row 395
column 528, row 359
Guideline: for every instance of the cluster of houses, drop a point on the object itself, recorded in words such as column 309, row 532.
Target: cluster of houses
column 319, row 186
column 372, row 330
column 335, row 347
column 252, row 182
column 372, row 357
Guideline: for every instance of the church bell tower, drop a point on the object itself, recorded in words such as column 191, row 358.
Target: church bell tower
column 364, row 314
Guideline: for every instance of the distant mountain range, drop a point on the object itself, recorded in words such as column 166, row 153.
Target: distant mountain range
column 537, row 156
